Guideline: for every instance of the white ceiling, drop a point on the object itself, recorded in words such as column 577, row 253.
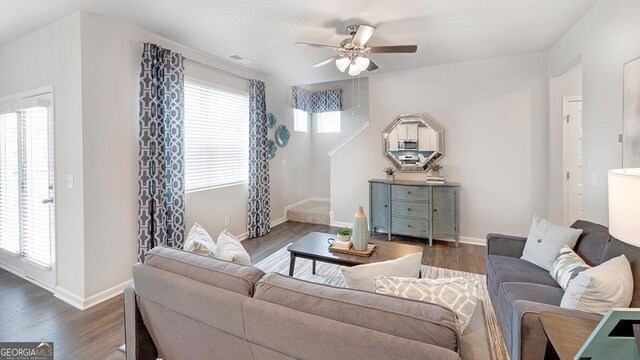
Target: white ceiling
column 265, row 31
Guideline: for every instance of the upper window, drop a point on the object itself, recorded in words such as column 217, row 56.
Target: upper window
column 300, row 120
column 216, row 124
column 328, row 122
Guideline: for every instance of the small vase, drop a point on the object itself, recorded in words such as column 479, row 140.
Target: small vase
column 344, row 238
column 391, row 177
column 360, row 234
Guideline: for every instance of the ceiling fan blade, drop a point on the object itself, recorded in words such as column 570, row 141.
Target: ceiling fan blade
column 325, row 61
column 372, row 66
column 394, row 49
column 363, row 35
column 318, row 45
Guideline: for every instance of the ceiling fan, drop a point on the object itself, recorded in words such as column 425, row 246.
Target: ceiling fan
column 354, row 52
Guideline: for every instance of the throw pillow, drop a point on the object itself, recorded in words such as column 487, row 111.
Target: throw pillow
column 362, row 277
column 545, row 240
column 458, row 294
column 199, row 242
column 600, row 288
column 567, row 266
column 230, row 249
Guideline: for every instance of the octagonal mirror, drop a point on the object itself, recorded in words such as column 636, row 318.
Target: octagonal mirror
column 413, row 142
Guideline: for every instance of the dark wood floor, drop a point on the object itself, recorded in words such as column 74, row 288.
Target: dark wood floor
column 29, row 313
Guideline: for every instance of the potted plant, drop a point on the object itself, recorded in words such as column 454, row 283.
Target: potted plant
column 390, row 171
column 435, row 169
column 344, row 234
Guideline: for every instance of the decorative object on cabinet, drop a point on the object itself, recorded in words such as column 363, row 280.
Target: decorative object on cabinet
column 271, row 149
column 390, row 171
column 414, row 208
column 271, row 120
column 413, row 142
column 282, row 135
column 360, row 236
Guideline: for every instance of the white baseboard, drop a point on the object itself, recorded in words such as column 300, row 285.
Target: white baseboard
column 106, row 294
column 348, row 140
column 301, row 202
column 341, row 224
column 82, row 303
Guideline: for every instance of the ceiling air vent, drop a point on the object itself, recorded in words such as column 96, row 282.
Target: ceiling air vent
column 240, row 59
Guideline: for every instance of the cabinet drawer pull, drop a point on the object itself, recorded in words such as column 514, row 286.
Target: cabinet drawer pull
column 408, row 225
column 434, row 210
column 408, row 209
column 409, row 192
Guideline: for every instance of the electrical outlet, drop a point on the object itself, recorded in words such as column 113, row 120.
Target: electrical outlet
column 69, row 181
column 226, row 221
column 284, row 163
column 594, row 180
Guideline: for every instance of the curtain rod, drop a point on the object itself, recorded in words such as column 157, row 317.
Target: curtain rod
column 210, row 67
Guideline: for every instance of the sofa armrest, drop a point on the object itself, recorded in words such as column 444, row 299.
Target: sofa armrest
column 505, row 245
column 139, row 345
column 528, row 340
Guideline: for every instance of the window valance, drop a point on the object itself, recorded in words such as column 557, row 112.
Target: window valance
column 317, row 101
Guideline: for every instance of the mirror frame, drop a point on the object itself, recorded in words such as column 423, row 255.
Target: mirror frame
column 428, row 121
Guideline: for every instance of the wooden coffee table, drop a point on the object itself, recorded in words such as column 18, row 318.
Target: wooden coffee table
column 314, row 246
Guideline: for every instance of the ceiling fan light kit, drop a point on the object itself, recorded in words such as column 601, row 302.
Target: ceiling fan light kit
column 354, row 51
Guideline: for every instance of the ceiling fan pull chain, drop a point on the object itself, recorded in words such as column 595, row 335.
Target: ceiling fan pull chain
column 353, row 93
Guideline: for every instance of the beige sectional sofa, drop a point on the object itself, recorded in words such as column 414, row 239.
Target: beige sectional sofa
column 186, row 306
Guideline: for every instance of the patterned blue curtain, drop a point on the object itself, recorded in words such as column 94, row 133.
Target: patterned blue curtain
column 259, row 206
column 161, row 192
column 317, row 101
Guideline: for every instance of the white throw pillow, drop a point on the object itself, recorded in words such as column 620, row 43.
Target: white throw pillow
column 458, row 294
column 600, row 288
column 199, row 242
column 567, row 266
column 362, row 277
column 545, row 241
column 230, row 249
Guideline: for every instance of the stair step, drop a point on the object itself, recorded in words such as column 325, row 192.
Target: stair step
column 313, row 212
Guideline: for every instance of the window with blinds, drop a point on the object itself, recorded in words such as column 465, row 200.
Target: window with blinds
column 328, row 122
column 300, row 120
column 216, row 136
column 26, row 179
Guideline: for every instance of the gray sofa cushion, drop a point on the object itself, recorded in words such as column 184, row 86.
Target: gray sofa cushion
column 591, row 242
column 219, row 273
column 502, row 269
column 616, row 248
column 409, row 319
column 273, row 329
column 511, row 292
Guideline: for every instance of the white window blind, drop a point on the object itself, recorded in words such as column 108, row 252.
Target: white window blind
column 328, row 122
column 25, row 180
column 9, row 188
column 216, row 136
column 300, row 120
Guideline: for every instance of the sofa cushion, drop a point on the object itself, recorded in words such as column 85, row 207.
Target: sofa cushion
column 219, row 273
column 501, row 269
column 510, row 292
column 409, row 319
column 591, row 242
column 616, row 248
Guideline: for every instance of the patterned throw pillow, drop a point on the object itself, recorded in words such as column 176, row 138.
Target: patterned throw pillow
column 458, row 294
column 567, row 266
column 199, row 242
column 230, row 249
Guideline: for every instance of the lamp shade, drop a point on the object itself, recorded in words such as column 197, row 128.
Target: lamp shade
column 342, row 63
column 624, row 205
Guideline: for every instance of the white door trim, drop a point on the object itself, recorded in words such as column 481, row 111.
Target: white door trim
column 565, row 156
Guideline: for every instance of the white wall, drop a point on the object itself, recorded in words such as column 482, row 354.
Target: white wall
column 494, row 113
column 352, row 118
column 110, row 69
column 51, row 56
column 567, row 84
column 605, row 38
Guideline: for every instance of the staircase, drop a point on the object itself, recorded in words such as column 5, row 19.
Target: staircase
column 312, row 211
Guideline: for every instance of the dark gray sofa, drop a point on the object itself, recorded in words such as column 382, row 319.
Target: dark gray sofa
column 520, row 290
column 186, row 306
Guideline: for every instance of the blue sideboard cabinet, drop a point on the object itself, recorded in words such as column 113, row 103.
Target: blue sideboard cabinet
column 414, row 208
